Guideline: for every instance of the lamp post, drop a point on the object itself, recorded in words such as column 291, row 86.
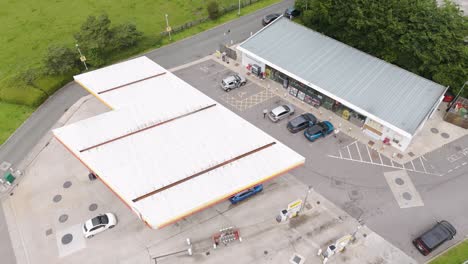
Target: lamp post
column 82, row 58
column 168, row 28
column 309, row 189
column 238, row 13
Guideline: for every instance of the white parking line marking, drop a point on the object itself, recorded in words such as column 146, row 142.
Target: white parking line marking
column 349, row 153
column 359, row 152
column 351, row 143
column 414, row 168
column 368, row 153
column 380, row 157
column 341, row 156
column 422, row 163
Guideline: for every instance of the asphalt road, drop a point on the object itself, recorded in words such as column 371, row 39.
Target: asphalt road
column 40, row 122
column 360, row 189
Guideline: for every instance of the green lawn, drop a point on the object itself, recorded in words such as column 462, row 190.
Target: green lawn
column 456, row 255
column 28, row 27
column 12, row 116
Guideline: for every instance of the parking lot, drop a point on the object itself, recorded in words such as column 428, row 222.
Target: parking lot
column 369, row 193
column 47, row 217
column 45, row 221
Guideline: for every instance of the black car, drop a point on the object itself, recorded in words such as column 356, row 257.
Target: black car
column 301, row 122
column 292, row 12
column 269, row 18
column 434, row 237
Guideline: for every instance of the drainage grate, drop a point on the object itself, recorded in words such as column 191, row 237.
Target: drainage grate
column 399, row 181
column 67, row 184
column 411, row 154
column 407, row 196
column 434, row 130
column 57, row 198
column 63, row 218
column 445, row 135
column 66, row 239
column 92, row 207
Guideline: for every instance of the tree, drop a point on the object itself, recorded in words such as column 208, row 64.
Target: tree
column 59, row 60
column 125, row 35
column 213, row 10
column 418, row 36
column 95, row 38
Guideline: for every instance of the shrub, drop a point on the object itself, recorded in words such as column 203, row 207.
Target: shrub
column 60, row 60
column 22, row 94
column 213, row 10
column 125, row 35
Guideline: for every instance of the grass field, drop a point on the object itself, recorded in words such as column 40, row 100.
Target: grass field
column 30, row 26
column 456, row 255
column 12, row 116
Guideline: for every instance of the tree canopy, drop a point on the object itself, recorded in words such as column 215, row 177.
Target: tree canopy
column 418, row 36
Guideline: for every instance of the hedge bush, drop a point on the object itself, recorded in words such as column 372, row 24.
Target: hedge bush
column 22, row 94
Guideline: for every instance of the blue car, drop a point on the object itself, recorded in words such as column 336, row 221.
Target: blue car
column 318, row 130
column 246, row 194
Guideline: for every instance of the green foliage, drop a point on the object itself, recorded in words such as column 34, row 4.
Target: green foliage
column 416, row 35
column 12, row 117
column 60, row 60
column 125, row 35
column 94, row 38
column 23, row 94
column 455, row 255
column 213, row 10
column 50, row 84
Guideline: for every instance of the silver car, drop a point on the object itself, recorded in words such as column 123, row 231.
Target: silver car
column 232, row 82
column 281, row 112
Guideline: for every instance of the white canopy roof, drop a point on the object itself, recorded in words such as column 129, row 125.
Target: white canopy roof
column 168, row 150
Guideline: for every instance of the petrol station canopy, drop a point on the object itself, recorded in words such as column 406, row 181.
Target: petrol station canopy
column 167, row 150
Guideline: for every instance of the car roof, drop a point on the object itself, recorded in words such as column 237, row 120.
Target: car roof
column 229, row 78
column 314, row 129
column 278, row 110
column 436, row 235
column 298, row 120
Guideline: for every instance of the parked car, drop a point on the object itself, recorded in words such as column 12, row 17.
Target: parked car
column 318, row 130
column 292, row 12
column 448, row 97
column 232, row 82
column 434, row 237
column 246, row 194
column 269, row 18
column 281, row 112
column 98, row 224
column 301, row 122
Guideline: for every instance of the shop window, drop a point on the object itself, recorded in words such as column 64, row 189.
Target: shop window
column 292, row 91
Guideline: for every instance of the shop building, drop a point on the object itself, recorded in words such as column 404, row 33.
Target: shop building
column 390, row 104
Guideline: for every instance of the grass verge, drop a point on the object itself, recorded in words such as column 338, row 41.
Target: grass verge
column 455, row 255
column 12, row 116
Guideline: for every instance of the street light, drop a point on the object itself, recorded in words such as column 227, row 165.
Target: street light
column 82, row 58
column 238, row 13
column 168, row 28
column 309, row 189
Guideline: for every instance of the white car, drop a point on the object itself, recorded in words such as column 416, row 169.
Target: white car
column 98, row 224
column 281, row 112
